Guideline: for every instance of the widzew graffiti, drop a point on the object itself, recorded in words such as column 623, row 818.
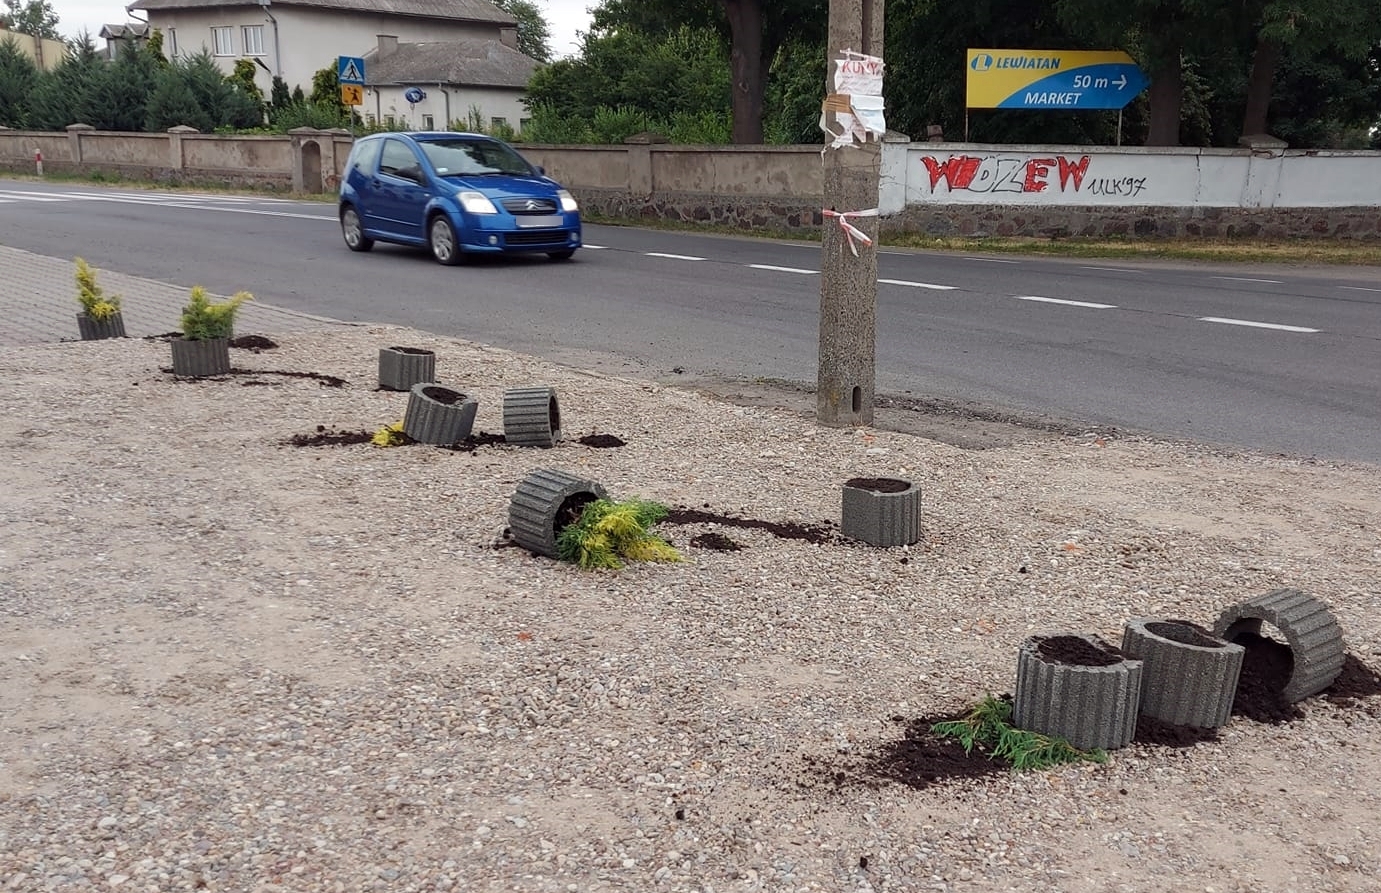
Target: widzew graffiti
column 1025, row 175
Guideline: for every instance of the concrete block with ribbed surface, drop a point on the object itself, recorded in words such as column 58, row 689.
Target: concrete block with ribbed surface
column 402, row 367
column 438, row 415
column 531, row 417
column 201, row 358
column 1188, row 677
column 1077, row 687
column 546, row 501
column 881, row 511
column 1309, row 628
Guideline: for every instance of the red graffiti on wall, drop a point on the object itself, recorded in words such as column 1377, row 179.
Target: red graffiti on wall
column 1027, row 175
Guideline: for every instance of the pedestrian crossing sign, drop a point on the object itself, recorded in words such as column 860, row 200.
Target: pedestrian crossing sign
column 350, row 70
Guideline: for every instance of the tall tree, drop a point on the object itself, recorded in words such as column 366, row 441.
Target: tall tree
column 34, row 17
column 1351, row 27
column 67, row 94
column 755, row 30
column 534, row 34
column 18, row 75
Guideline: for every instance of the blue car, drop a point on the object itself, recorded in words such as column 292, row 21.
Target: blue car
column 455, row 193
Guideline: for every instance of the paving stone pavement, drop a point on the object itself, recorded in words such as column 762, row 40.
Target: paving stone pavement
column 39, row 295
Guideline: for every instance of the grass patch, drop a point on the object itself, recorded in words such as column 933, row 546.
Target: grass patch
column 988, row 727
column 1259, row 251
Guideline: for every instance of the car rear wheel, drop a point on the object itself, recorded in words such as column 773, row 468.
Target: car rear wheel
column 562, row 255
column 353, row 230
column 442, row 237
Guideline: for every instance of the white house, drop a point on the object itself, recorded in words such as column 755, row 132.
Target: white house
column 426, row 86
column 296, row 38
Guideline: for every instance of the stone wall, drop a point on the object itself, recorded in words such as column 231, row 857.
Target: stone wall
column 932, row 188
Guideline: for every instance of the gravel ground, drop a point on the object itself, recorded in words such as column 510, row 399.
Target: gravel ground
column 228, row 663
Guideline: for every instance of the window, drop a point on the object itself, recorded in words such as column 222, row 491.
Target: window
column 496, row 123
column 223, row 41
column 253, row 39
column 172, row 43
column 365, row 156
column 428, row 122
column 523, row 123
column 396, row 156
column 390, row 122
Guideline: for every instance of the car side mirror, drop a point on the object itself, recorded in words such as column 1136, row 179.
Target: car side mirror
column 541, row 170
column 412, row 172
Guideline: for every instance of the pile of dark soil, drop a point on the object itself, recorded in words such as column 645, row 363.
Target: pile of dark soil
column 716, row 542
column 811, row 533
column 600, row 441
column 330, row 437
column 255, row 343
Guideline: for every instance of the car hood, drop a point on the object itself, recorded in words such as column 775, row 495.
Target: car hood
column 502, row 186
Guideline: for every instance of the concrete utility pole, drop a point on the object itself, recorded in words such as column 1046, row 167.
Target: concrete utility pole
column 848, row 284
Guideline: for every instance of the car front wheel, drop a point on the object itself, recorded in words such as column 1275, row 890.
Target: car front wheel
column 445, row 246
column 353, row 230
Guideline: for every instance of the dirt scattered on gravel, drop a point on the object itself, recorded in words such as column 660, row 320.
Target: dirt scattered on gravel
column 327, row 436
column 475, row 441
column 812, row 533
column 326, row 381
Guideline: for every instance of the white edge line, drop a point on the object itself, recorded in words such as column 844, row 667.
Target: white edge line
column 1088, row 304
column 1246, row 279
column 1256, row 325
column 1359, row 288
column 918, row 284
column 596, row 247
column 673, row 256
column 990, row 260
column 776, row 269
column 1113, row 270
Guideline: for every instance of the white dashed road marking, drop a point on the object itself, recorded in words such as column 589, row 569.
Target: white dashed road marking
column 673, row 256
column 910, row 284
column 596, row 247
column 1067, row 303
column 1359, row 288
column 784, row 269
column 991, row 260
column 1256, row 325
column 1245, row 279
column 1113, row 270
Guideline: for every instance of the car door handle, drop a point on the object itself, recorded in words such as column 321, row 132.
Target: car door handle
column 375, row 183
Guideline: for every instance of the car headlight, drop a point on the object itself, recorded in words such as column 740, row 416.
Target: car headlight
column 567, row 200
column 477, row 203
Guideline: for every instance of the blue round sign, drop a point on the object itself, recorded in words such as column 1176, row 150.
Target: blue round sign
column 414, row 95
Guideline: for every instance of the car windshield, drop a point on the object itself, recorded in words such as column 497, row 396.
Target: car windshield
column 459, row 157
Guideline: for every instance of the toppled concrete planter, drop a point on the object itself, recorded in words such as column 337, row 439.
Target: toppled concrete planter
column 202, row 357
column 1077, row 687
column 438, row 414
column 1314, row 636
column 531, row 417
column 1188, row 677
column 91, row 329
column 402, row 367
column 546, row 501
column 881, row 511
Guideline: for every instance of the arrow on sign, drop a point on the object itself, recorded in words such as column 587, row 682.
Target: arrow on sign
column 1121, row 82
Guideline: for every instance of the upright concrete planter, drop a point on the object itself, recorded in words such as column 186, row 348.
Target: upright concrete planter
column 1314, row 636
column 531, row 417
column 882, row 511
column 1188, row 678
column 1077, row 687
column 438, row 415
column 91, row 329
column 402, row 367
column 546, row 501
column 200, row 358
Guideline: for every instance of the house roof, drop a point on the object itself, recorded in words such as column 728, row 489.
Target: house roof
column 471, row 63
column 459, row 10
column 128, row 30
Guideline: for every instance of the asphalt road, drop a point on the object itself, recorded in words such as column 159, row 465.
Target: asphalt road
column 1281, row 359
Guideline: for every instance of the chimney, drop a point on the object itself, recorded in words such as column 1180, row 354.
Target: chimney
column 388, row 45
